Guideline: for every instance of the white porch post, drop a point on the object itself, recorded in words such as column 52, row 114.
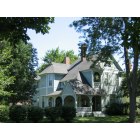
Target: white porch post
column 76, row 101
column 62, row 100
column 54, row 101
column 90, row 98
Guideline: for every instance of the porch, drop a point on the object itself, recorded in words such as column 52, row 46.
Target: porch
column 87, row 111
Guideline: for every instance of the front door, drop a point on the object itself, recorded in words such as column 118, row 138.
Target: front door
column 96, row 101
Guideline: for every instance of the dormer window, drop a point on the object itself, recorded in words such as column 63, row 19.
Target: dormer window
column 96, row 77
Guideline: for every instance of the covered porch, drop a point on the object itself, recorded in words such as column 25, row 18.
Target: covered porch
column 86, row 105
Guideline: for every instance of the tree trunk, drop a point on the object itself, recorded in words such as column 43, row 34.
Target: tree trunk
column 132, row 115
column 132, row 97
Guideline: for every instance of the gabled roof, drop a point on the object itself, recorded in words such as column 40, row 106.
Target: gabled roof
column 76, row 68
column 56, row 68
column 116, row 63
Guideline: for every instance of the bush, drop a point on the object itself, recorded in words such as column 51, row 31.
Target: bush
column 17, row 113
column 35, row 114
column 68, row 113
column 4, row 113
column 52, row 113
column 114, row 109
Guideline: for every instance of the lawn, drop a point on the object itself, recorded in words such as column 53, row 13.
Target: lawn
column 107, row 119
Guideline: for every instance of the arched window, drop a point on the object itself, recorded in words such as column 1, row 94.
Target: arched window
column 69, row 101
column 97, row 77
column 58, row 102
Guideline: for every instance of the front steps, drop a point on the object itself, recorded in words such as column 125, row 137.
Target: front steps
column 95, row 114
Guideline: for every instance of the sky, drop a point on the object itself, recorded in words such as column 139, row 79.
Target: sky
column 60, row 35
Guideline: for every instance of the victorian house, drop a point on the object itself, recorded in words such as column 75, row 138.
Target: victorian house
column 87, row 87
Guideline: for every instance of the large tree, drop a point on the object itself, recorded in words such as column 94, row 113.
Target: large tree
column 105, row 36
column 15, row 28
column 16, row 64
column 57, row 55
column 19, row 71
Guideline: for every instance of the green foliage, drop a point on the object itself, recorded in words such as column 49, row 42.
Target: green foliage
column 52, row 113
column 17, row 65
column 15, row 28
column 68, row 113
column 35, row 113
column 17, row 113
column 124, row 86
column 55, row 55
column 5, row 79
column 114, row 109
column 4, row 113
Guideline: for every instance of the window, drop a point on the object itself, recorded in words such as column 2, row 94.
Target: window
column 50, row 80
column 97, row 77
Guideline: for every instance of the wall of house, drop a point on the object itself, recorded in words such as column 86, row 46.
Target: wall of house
column 68, row 90
column 57, row 78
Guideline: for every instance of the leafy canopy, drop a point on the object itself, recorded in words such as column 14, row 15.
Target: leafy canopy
column 15, row 28
column 19, row 64
column 58, row 56
column 106, row 36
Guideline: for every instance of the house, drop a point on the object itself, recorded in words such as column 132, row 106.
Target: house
column 86, row 87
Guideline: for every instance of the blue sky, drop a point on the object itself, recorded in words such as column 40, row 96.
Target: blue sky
column 60, row 35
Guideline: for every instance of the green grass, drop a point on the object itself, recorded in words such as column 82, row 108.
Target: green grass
column 107, row 119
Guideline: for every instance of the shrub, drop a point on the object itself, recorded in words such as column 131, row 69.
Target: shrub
column 35, row 114
column 68, row 113
column 4, row 113
column 114, row 109
column 17, row 113
column 52, row 113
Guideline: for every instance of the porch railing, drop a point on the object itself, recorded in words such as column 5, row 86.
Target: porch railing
column 84, row 109
column 97, row 85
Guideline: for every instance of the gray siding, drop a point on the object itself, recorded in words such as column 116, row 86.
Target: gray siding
column 89, row 76
column 42, row 81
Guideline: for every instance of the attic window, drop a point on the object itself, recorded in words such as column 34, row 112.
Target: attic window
column 97, row 77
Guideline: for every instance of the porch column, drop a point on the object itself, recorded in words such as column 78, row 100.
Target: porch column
column 76, row 101
column 54, row 101
column 90, row 98
column 62, row 100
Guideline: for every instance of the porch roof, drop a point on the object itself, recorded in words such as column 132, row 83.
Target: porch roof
column 84, row 89
column 55, row 93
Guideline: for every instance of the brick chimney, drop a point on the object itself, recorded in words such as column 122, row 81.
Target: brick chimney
column 83, row 52
column 67, row 60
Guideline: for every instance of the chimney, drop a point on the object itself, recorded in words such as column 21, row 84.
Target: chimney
column 67, row 60
column 83, row 52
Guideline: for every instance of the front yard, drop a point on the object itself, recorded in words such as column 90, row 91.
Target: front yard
column 107, row 119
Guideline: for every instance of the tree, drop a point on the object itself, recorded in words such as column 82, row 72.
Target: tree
column 5, row 80
column 21, row 68
column 15, row 28
column 55, row 55
column 109, row 35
